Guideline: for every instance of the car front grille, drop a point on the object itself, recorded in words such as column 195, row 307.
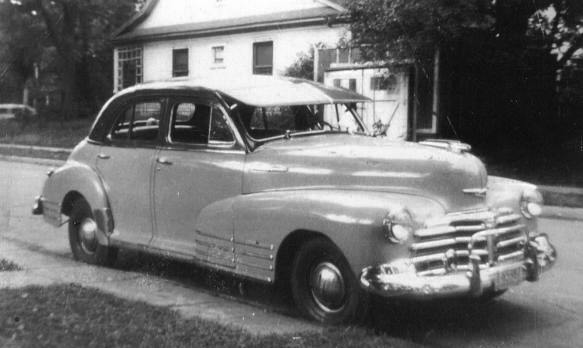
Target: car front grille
column 445, row 244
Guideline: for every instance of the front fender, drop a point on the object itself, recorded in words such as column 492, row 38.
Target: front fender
column 77, row 179
column 353, row 220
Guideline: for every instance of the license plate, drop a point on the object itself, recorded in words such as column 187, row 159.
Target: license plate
column 507, row 278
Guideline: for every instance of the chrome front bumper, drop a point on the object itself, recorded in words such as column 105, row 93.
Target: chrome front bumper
column 396, row 281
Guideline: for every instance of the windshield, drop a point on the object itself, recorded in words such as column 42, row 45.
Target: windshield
column 263, row 123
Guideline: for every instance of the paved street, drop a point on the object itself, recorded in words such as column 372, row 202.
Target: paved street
column 544, row 314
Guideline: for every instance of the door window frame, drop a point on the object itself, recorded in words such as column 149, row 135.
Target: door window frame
column 120, row 110
column 236, row 144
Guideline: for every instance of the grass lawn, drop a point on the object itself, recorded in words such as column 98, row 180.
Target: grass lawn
column 72, row 316
column 48, row 133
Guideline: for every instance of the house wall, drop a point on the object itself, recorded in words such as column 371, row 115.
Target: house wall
column 238, row 54
column 171, row 12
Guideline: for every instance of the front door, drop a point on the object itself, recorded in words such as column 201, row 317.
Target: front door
column 195, row 175
column 125, row 164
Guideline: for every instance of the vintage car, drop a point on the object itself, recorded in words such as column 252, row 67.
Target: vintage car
column 16, row 111
column 278, row 180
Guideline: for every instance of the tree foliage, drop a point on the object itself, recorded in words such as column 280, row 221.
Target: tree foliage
column 73, row 37
column 560, row 25
column 413, row 29
column 303, row 67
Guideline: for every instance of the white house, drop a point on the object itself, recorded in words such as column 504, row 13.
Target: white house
column 185, row 39
column 234, row 39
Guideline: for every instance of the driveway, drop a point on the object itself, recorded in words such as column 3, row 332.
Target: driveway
column 548, row 313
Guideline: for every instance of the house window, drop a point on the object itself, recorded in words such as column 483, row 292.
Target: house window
column 180, row 62
column 352, row 84
column 129, row 67
column 263, row 58
column 378, row 83
column 218, row 55
column 392, row 84
column 337, row 82
column 343, row 55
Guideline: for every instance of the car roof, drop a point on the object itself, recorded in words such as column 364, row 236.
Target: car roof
column 263, row 90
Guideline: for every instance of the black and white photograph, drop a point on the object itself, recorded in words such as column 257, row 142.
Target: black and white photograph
column 291, row 173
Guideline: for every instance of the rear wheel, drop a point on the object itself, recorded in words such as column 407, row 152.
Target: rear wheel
column 83, row 237
column 324, row 287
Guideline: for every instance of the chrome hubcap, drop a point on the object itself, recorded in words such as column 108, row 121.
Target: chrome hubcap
column 327, row 286
column 87, row 234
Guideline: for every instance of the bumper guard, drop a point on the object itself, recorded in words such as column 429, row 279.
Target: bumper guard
column 389, row 280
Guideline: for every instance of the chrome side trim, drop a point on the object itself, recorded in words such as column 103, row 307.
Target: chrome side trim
column 213, row 236
column 478, row 192
column 248, row 264
column 254, row 244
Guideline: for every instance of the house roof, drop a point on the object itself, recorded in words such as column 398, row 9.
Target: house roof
column 129, row 34
column 229, row 26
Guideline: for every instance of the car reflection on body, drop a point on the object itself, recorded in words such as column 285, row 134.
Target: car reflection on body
column 278, row 180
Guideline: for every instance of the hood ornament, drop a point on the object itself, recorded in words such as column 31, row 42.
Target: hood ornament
column 478, row 192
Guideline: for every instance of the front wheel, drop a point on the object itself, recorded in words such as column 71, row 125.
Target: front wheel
column 324, row 287
column 83, row 237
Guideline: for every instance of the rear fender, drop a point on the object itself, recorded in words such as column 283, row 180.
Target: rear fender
column 69, row 182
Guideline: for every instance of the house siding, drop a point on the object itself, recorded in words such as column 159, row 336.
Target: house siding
column 238, row 54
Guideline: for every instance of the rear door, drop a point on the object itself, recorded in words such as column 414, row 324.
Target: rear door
column 126, row 165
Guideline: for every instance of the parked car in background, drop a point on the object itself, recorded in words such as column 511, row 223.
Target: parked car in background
column 16, row 111
column 279, row 180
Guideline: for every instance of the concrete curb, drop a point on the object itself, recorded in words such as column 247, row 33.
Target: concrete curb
column 32, row 160
column 35, row 148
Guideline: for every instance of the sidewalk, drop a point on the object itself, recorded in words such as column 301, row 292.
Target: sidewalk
column 43, row 268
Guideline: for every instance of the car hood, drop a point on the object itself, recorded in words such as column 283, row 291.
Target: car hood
column 344, row 161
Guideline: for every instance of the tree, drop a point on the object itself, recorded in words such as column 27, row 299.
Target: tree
column 413, row 29
column 560, row 25
column 499, row 61
column 79, row 33
column 303, row 67
column 19, row 50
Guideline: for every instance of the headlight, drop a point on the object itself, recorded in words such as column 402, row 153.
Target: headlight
column 398, row 226
column 531, row 203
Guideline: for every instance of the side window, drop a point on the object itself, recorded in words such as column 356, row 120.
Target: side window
column 199, row 123
column 184, row 112
column 190, row 123
column 138, row 122
column 121, row 129
column 146, row 122
column 219, row 131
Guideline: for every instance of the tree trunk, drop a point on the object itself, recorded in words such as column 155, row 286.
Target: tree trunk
column 70, row 106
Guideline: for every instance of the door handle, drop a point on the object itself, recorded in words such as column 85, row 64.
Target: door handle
column 103, row 156
column 163, row 160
